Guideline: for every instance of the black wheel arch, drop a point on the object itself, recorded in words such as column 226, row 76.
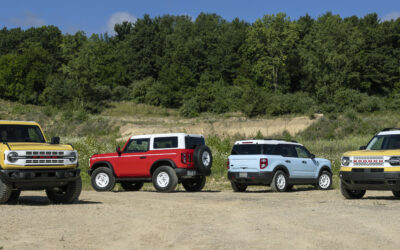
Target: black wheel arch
column 325, row 168
column 101, row 164
column 283, row 168
column 161, row 162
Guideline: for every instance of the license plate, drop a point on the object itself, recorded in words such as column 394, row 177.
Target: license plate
column 242, row 175
column 191, row 172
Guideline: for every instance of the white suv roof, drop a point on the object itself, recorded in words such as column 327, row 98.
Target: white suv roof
column 164, row 135
column 389, row 131
column 263, row 141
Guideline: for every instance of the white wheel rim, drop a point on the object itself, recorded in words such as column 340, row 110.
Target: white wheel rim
column 163, row 179
column 102, row 180
column 324, row 181
column 281, row 182
column 205, row 157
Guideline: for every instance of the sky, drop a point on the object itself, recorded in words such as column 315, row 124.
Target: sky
column 100, row 16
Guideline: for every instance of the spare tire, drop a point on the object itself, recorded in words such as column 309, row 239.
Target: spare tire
column 202, row 158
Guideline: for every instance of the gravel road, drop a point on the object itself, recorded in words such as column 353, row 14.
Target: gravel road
column 302, row 219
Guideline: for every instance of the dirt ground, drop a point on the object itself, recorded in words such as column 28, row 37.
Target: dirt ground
column 302, row 219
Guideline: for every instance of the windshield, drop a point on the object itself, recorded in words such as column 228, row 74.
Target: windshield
column 384, row 142
column 21, row 133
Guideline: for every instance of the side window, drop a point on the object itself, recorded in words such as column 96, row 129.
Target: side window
column 302, row 152
column 165, row 142
column 286, row 150
column 269, row 149
column 137, row 145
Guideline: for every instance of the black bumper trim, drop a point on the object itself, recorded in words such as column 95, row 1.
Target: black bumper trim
column 183, row 172
column 370, row 180
column 39, row 175
column 253, row 178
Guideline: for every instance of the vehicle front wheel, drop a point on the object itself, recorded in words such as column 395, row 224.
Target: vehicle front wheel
column 396, row 194
column 280, row 181
column 324, row 180
column 5, row 192
column 103, row 179
column 165, row 179
column 238, row 187
column 132, row 186
column 66, row 194
column 194, row 185
column 351, row 194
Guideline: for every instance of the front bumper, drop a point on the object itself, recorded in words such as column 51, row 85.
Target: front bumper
column 252, row 178
column 370, row 179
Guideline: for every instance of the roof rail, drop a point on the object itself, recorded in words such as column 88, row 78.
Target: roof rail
column 270, row 139
column 388, row 129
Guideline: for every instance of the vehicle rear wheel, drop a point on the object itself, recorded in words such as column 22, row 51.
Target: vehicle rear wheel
column 238, row 187
column 165, row 179
column 203, row 159
column 66, row 194
column 324, row 180
column 396, row 194
column 280, row 181
column 14, row 195
column 194, row 185
column 103, row 179
column 131, row 186
column 351, row 194
column 5, row 192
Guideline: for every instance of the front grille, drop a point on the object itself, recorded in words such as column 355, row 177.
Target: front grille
column 368, row 161
column 43, row 158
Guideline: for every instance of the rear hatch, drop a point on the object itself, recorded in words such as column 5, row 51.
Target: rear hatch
column 245, row 157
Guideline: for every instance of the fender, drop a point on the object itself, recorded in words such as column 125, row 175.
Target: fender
column 158, row 163
column 94, row 166
column 324, row 168
column 284, row 168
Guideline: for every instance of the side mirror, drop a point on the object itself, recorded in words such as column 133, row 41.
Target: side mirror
column 312, row 156
column 55, row 140
column 363, row 147
column 118, row 149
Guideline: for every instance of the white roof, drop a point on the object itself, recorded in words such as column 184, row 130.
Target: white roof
column 164, row 135
column 266, row 142
column 390, row 132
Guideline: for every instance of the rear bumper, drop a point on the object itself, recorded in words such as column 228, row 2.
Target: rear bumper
column 253, row 178
column 189, row 172
column 368, row 179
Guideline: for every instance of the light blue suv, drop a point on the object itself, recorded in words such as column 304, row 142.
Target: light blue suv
column 278, row 163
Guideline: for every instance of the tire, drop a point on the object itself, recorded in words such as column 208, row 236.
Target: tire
column 203, row 159
column 280, row 181
column 5, row 192
column 14, row 195
column 351, row 194
column 67, row 194
column 238, row 187
column 103, row 179
column 195, row 184
column 324, row 180
column 132, row 186
column 165, row 179
column 396, row 194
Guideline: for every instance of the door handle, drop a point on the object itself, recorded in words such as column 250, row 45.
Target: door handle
column 304, row 162
column 287, row 161
column 142, row 157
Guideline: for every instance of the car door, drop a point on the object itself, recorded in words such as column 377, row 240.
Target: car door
column 289, row 157
column 306, row 166
column 133, row 161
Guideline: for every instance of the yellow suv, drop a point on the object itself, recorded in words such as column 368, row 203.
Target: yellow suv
column 29, row 162
column 374, row 167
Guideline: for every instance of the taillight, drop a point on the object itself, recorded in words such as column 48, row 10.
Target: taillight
column 263, row 163
column 183, row 158
column 227, row 164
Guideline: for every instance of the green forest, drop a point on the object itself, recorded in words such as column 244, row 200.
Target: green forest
column 273, row 66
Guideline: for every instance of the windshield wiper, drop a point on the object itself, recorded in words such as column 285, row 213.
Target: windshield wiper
column 6, row 143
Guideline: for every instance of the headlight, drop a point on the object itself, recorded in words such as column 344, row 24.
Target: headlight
column 345, row 161
column 72, row 156
column 12, row 157
column 394, row 161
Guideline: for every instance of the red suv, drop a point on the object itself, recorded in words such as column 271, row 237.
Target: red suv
column 164, row 159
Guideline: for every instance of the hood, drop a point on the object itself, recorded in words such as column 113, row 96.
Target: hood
column 36, row 146
column 373, row 152
column 104, row 155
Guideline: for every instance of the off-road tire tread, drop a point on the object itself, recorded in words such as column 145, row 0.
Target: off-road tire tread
column 111, row 177
column 173, row 179
column 274, row 179
column 74, row 189
column 188, row 184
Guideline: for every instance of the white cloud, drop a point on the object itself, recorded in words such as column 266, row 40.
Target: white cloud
column 29, row 19
column 119, row 17
column 392, row 16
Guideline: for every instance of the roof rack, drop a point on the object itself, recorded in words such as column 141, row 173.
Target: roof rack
column 388, row 129
column 269, row 139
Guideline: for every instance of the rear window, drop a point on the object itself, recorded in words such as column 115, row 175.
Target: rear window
column 191, row 142
column 246, row 149
column 166, row 142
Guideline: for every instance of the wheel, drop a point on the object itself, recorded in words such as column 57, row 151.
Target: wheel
column 324, row 180
column 203, row 159
column 238, row 187
column 103, row 179
column 351, row 194
column 5, row 192
column 279, row 182
column 131, row 186
column 66, row 194
column 14, row 195
column 195, row 184
column 165, row 179
column 396, row 194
